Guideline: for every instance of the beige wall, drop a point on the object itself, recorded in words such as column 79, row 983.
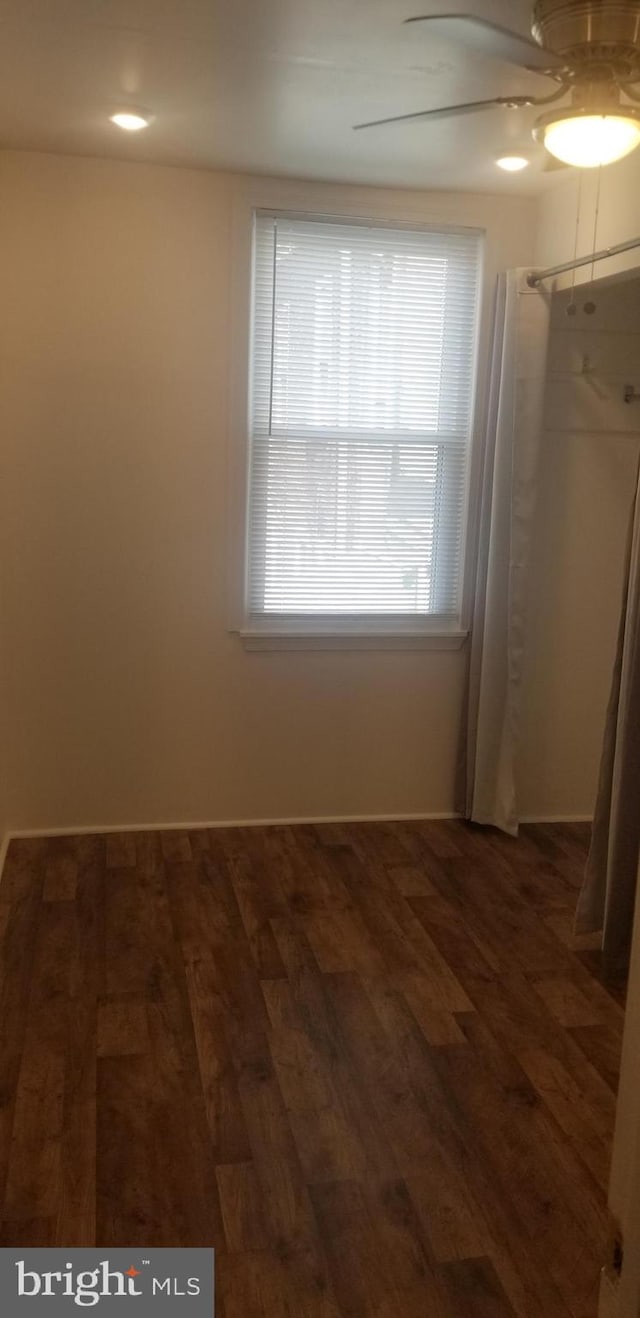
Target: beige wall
column 587, row 480
column 128, row 699
column 587, row 477
column 4, row 695
column 4, row 749
column 624, row 1189
column 586, row 484
column 618, row 218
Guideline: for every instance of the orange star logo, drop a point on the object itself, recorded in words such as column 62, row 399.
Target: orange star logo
column 132, row 1272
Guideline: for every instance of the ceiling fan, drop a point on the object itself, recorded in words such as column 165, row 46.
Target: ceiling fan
column 590, row 48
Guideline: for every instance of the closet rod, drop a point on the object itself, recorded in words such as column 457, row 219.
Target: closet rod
column 536, row 277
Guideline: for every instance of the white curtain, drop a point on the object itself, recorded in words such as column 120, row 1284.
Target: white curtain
column 487, row 782
column 608, row 896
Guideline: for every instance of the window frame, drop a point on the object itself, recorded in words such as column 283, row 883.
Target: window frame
column 350, row 631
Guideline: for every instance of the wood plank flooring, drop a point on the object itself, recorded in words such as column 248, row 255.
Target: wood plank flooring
column 362, row 1061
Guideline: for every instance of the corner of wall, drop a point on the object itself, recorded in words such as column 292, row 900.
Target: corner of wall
column 577, row 196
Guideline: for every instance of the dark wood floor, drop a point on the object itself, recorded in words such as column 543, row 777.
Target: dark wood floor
column 361, row 1061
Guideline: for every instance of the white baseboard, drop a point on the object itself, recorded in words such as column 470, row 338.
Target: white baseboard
column 191, row 824
column 290, row 820
column 556, row 819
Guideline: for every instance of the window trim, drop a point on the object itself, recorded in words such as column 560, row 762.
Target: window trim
column 350, row 631
column 438, row 639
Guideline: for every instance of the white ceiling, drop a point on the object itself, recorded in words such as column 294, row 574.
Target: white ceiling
column 267, row 86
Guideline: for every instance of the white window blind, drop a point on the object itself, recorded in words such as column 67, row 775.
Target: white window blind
column 361, row 405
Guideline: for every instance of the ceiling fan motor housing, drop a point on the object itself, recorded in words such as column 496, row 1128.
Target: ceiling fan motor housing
column 600, row 37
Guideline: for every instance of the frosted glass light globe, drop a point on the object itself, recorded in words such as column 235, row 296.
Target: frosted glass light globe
column 589, row 140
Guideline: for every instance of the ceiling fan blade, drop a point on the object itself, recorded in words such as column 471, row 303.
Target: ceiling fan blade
column 444, row 111
column 490, row 39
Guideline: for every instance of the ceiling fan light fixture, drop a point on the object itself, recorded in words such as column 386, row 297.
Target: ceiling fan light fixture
column 512, row 164
column 587, row 139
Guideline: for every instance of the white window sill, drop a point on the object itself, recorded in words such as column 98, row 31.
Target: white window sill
column 292, row 640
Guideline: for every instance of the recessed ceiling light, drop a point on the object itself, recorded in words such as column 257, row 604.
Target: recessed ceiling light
column 131, row 120
column 512, row 163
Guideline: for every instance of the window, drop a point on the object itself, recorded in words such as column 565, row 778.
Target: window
column 363, row 349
